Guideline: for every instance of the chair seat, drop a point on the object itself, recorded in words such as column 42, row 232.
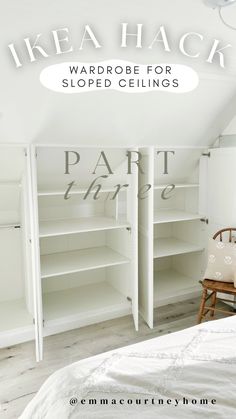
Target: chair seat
column 225, row 287
column 211, row 288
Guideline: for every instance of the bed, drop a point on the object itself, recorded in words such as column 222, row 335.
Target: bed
column 187, row 374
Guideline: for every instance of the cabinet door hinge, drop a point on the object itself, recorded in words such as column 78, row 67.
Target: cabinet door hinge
column 204, row 220
column 206, row 154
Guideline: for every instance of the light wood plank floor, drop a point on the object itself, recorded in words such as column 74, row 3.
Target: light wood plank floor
column 21, row 376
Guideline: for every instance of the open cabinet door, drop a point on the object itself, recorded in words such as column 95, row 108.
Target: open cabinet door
column 31, row 184
column 145, row 223
column 132, row 211
column 221, row 189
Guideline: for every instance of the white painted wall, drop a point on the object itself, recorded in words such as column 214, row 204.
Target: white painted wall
column 231, row 128
column 31, row 113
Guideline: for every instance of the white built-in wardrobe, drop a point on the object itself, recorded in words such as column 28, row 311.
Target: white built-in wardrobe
column 87, row 264
column 104, row 251
column 17, row 298
column 172, row 226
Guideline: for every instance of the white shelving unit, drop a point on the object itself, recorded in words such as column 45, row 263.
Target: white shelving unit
column 62, row 263
column 171, row 246
column 171, row 279
column 173, row 215
column 171, row 228
column 88, row 242
column 79, row 225
column 178, row 186
column 74, row 191
column 16, row 288
column 67, row 263
column 76, row 307
column 15, row 318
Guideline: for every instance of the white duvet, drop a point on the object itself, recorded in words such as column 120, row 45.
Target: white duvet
column 166, row 377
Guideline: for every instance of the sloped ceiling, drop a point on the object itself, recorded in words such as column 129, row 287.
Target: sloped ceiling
column 31, row 113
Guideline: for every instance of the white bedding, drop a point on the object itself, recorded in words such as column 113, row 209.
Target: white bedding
column 196, row 363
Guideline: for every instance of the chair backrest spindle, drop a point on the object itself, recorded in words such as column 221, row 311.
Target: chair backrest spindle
column 224, row 230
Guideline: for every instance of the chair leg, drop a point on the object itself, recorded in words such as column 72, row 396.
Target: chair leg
column 202, row 306
column 234, row 304
column 213, row 304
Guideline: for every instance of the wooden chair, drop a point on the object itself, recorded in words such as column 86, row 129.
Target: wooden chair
column 211, row 288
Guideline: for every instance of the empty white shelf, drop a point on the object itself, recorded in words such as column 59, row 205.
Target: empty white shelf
column 84, row 302
column 10, row 225
column 171, row 246
column 178, row 185
column 14, row 315
column 10, row 183
column 170, row 284
column 79, row 225
column 172, row 215
column 80, row 260
column 73, row 191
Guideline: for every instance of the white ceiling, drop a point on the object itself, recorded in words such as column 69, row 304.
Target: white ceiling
column 31, row 113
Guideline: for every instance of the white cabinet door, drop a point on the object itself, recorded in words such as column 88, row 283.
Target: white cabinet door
column 146, row 238
column 133, row 218
column 203, row 185
column 34, row 232
column 222, row 188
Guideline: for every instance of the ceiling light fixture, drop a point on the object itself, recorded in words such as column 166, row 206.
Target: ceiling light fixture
column 219, row 4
